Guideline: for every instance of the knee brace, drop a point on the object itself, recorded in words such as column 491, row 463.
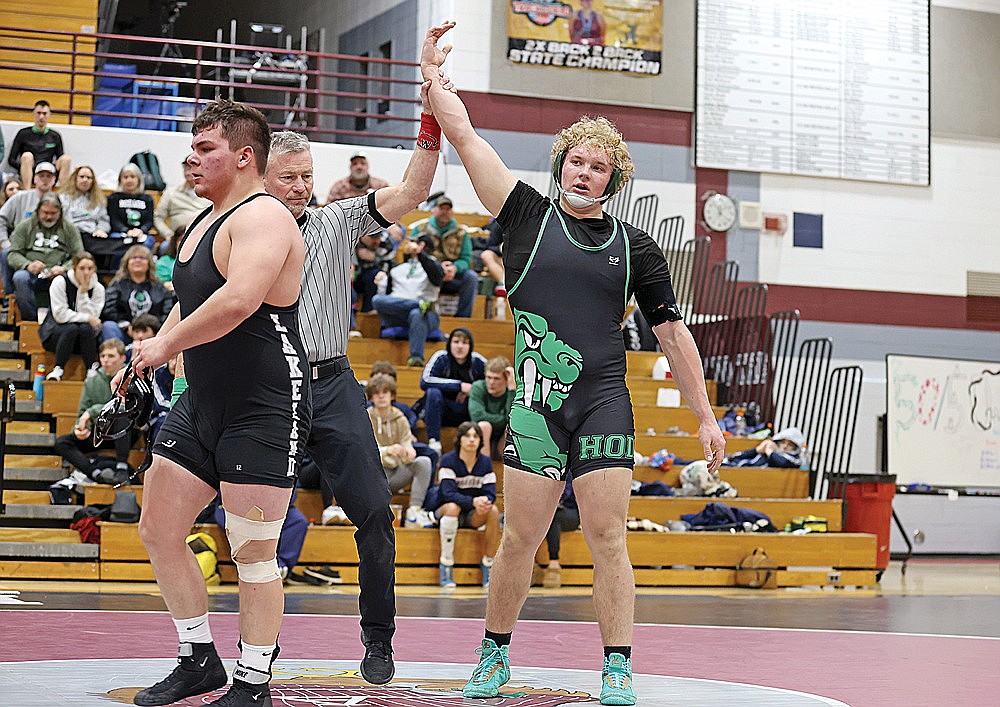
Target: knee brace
column 241, row 531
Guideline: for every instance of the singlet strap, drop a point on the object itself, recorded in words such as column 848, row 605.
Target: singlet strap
column 203, row 215
column 534, row 249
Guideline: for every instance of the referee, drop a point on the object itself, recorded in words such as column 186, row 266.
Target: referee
column 342, row 442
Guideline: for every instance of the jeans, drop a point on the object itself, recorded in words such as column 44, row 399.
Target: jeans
column 25, row 286
column 439, row 410
column 111, row 330
column 396, row 311
column 465, row 285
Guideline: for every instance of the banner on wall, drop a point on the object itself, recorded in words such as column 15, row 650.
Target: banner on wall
column 619, row 36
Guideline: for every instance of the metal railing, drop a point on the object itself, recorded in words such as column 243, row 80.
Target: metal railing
column 199, row 72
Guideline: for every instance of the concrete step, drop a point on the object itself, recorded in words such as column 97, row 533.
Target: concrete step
column 33, row 473
column 21, row 439
column 18, row 375
column 29, row 511
column 39, row 550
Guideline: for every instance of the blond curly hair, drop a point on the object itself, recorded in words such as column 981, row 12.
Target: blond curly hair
column 601, row 133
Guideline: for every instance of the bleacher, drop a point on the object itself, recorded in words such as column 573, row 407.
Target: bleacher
column 35, row 541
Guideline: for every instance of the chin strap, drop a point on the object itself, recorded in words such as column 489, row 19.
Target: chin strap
column 579, row 201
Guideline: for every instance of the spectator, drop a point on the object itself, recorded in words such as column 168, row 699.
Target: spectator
column 168, row 258
column 163, row 384
column 358, row 183
column 36, row 144
column 395, row 446
column 77, row 446
column 144, row 326
column 41, row 248
column 784, row 451
column 447, row 381
column 467, row 495
column 493, row 258
column 490, row 401
column 566, row 518
column 86, row 208
column 11, row 186
column 131, row 212
column 73, row 322
column 452, row 246
column 135, row 289
column 20, row 206
column 373, row 254
column 406, row 296
column 386, row 368
column 178, row 205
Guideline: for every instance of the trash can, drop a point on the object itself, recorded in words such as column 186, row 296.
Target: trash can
column 868, row 509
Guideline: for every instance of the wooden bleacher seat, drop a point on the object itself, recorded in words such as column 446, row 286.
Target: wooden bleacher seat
column 660, row 559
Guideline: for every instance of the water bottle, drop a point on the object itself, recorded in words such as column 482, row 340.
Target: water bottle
column 39, row 380
column 740, row 429
column 500, row 311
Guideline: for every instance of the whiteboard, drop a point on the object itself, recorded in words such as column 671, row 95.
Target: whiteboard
column 943, row 420
column 813, row 87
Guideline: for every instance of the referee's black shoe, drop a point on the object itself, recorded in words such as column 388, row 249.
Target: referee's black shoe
column 377, row 666
column 195, row 674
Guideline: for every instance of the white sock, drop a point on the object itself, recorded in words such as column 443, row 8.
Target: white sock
column 194, row 630
column 254, row 665
column 449, row 529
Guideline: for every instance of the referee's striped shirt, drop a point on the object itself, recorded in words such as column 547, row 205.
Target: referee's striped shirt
column 330, row 234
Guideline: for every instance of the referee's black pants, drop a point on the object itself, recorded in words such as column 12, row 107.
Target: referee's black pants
column 342, row 444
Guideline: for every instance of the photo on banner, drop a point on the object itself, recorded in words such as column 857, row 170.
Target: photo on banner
column 618, row 36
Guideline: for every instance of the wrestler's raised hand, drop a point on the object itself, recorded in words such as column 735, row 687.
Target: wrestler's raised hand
column 432, row 56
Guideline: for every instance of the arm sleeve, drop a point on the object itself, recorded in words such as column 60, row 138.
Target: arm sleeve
column 16, row 149
column 110, row 311
column 7, row 218
column 74, row 244
column 433, row 375
column 449, row 492
column 147, row 214
column 783, row 460
column 16, row 257
column 464, row 260
column 654, row 291
column 115, row 215
column 522, row 203
column 477, row 406
column 435, row 273
column 160, row 214
column 103, row 222
column 60, row 150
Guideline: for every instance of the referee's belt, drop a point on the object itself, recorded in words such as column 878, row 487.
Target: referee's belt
column 332, row 367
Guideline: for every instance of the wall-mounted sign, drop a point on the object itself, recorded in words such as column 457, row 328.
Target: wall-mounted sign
column 619, row 36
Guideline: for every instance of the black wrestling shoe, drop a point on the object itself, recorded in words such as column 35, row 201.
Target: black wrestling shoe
column 377, row 666
column 195, row 674
column 245, row 694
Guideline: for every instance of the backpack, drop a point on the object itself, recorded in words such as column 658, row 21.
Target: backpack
column 149, row 165
column 205, row 551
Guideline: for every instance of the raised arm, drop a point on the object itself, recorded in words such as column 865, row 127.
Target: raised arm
column 394, row 202
column 491, row 179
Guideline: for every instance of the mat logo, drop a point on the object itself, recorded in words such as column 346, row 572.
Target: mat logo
column 322, row 686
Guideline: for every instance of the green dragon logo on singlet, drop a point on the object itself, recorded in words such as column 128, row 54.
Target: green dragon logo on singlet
column 547, row 368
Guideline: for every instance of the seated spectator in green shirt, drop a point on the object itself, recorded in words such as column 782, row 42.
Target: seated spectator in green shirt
column 490, row 401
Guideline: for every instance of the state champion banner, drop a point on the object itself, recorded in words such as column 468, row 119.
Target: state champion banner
column 619, row 36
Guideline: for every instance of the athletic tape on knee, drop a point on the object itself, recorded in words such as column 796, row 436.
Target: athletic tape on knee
column 258, row 572
column 242, row 530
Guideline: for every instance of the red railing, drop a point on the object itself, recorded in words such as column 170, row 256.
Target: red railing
column 207, row 75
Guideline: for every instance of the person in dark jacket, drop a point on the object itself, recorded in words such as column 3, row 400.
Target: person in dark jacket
column 784, row 451
column 467, row 494
column 134, row 290
column 130, row 210
column 566, row 518
column 447, row 381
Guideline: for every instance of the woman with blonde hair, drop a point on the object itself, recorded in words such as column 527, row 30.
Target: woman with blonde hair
column 86, row 208
column 135, row 289
column 130, row 210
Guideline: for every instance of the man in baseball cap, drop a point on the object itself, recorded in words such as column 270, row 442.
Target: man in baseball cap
column 358, row 183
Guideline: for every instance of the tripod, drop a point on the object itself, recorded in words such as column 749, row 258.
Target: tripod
column 169, row 13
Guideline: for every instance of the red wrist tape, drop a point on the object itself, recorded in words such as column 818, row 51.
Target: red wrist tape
column 429, row 137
